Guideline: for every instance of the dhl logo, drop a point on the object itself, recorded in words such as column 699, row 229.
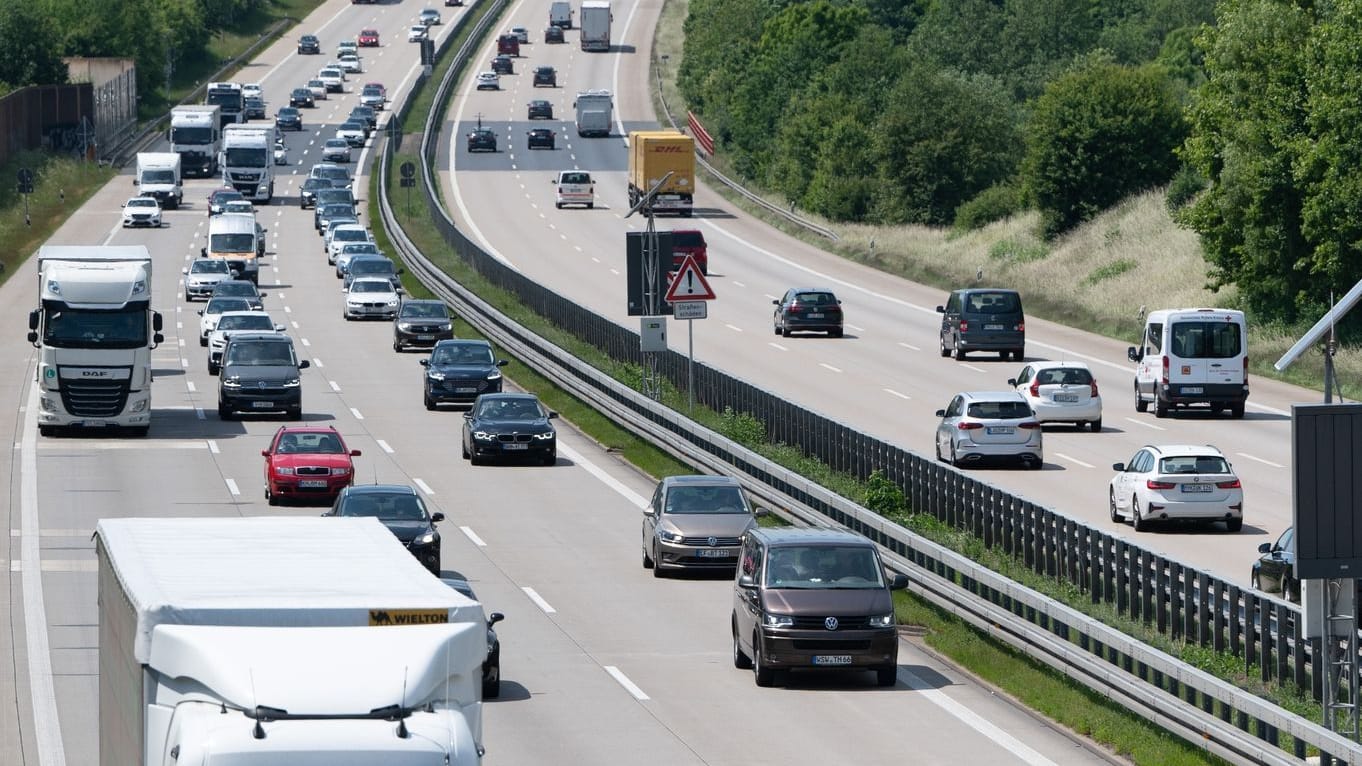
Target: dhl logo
column 408, row 616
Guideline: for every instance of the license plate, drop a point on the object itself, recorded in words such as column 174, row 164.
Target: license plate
column 993, row 327
column 94, row 423
column 511, row 446
column 1191, row 389
column 465, row 390
column 1066, row 397
column 1000, row 429
column 713, row 553
column 832, row 659
column 815, row 315
column 262, row 405
column 1196, row 488
column 312, row 483
column 425, row 337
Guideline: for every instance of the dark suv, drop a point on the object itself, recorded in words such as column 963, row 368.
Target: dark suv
column 813, row 309
column 459, row 371
column 309, row 44
column 816, row 599
column 260, row 373
column 421, row 323
column 983, row 319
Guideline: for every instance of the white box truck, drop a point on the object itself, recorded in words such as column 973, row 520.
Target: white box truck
column 595, row 34
column 158, row 175
column 248, row 160
column 196, row 136
column 94, row 330
column 274, row 641
column 595, row 112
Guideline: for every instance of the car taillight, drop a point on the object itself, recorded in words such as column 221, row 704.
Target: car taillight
column 794, row 306
column 1152, row 484
column 1028, row 424
column 1165, row 370
column 1231, row 484
column 969, row 426
column 1094, row 388
column 964, row 326
column 1021, row 327
column 1035, row 388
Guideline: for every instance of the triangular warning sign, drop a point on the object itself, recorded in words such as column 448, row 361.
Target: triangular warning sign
column 690, row 284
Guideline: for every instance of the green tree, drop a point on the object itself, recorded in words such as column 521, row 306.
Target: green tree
column 32, row 46
column 1096, row 135
column 721, row 39
column 1248, row 131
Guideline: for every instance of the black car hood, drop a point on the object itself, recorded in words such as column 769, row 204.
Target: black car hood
column 406, row 530
column 462, row 370
column 538, row 426
column 260, row 373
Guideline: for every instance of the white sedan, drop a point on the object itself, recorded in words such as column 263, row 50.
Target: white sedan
column 417, row 33
column 142, row 211
column 371, row 297
column 252, row 89
column 488, row 81
column 235, row 321
column 1176, row 482
column 1061, row 392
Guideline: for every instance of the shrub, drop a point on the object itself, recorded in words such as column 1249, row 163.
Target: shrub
column 992, row 204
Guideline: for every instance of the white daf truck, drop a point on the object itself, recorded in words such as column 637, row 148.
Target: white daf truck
column 226, row 642
column 94, row 330
column 247, row 160
column 195, row 135
column 158, row 175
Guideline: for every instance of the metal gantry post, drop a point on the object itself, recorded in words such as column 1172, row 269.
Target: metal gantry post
column 1339, row 617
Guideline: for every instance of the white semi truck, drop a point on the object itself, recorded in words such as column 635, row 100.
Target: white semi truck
column 231, row 98
column 595, row 109
column 196, row 135
column 272, row 641
column 158, row 175
column 94, row 330
column 595, row 23
column 248, row 160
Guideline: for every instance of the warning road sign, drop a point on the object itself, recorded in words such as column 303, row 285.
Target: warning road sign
column 690, row 284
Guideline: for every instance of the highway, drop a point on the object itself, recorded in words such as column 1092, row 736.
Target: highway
column 886, row 377
column 601, row 662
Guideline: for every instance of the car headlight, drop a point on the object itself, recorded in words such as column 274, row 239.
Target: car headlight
column 483, row 436
column 283, row 470
column 545, row 436
column 668, row 536
column 494, row 375
column 882, row 620
column 777, row 620
column 340, row 471
column 426, row 539
column 291, row 383
column 435, row 375
column 392, row 301
column 406, row 326
column 233, row 382
column 353, row 301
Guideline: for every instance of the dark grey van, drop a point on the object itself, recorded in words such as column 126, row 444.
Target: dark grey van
column 983, row 319
column 815, row 599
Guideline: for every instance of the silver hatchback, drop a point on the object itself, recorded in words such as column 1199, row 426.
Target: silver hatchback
column 989, row 426
column 696, row 522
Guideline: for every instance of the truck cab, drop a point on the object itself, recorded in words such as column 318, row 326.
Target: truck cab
column 158, row 175
column 235, row 238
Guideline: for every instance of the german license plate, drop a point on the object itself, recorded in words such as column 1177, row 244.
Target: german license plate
column 993, row 327
column 1196, row 488
column 815, row 315
column 832, row 659
column 1000, row 429
column 1066, row 397
column 465, row 390
column 425, row 337
column 262, row 405
column 1191, row 389
column 312, row 483
column 94, row 423
column 713, row 553
column 512, row 446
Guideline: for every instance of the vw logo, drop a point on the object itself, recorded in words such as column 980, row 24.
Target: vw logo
column 830, row 623
column 260, row 384
column 713, row 541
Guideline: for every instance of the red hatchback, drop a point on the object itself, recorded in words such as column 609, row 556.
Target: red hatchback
column 307, row 462
column 368, row 38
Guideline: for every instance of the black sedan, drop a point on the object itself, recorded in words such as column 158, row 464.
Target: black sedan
column 301, row 97
column 482, row 140
column 546, row 76
column 289, row 118
column 553, row 34
column 539, row 138
column 539, row 109
column 309, row 44
column 1275, row 569
column 459, row 371
column 813, row 309
column 509, row 425
column 503, row 65
column 491, row 667
column 402, row 511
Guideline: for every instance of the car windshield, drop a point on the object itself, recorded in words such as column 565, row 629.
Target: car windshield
column 241, row 289
column 423, row 310
column 1072, row 376
column 142, row 202
column 310, row 443
column 690, row 239
column 999, row 410
column 372, row 91
column 231, row 243
column 823, row 567
column 1190, row 464
column 374, row 266
column 222, row 198
column 316, row 84
column 288, row 111
column 395, row 507
column 238, row 206
column 1205, row 340
column 510, row 409
column 219, row 305
column 462, row 354
column 359, row 248
column 350, row 235
column 694, row 500
column 337, row 143
column 370, row 286
column 209, row 266
column 334, row 173
column 260, row 354
column 335, row 210
column 251, row 321
column 333, row 74
column 993, row 303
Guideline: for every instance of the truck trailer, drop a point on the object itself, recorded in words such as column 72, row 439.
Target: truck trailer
column 158, row 175
column 653, row 154
column 196, row 135
column 595, row 26
column 94, row 330
column 273, row 641
column 248, row 160
column 595, row 112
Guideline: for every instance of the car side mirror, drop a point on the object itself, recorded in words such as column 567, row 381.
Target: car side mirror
column 135, row 182
column 437, row 517
column 941, row 413
column 423, row 362
column 940, row 309
column 185, row 270
column 552, row 415
column 1134, row 354
column 32, row 337
column 401, row 270
column 761, row 511
column 32, row 320
column 1265, row 548
column 503, row 362
column 356, row 453
column 304, row 364
column 649, row 511
column 203, row 252
column 199, row 312
column 775, row 302
column 494, row 618
column 158, row 338
column 746, row 581
column 898, row 582
column 1118, row 467
column 278, row 328
column 264, row 453
column 468, row 416
column 1011, row 381
column 264, row 295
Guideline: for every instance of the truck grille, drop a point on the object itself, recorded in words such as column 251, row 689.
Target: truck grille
column 94, row 398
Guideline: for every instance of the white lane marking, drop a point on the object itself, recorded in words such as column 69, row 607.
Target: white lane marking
column 738, row 284
column 184, row 363
column 624, row 681
column 355, row 412
column 306, row 343
column 190, row 385
column 232, row 487
column 1146, row 424
column 605, row 478
column 827, row 366
column 854, row 328
column 198, row 413
column 973, row 720
column 46, row 722
column 1074, row 460
column 471, row 535
column 1260, row 460
column 334, row 385
column 972, row 367
column 288, row 310
column 60, row 565
column 538, row 600
column 734, row 328
column 424, row 487
column 909, row 346
column 776, row 346
column 384, row 446
column 317, row 363
column 892, row 392
column 213, row 447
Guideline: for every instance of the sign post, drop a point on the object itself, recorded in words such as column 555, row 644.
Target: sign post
column 688, row 294
column 408, row 170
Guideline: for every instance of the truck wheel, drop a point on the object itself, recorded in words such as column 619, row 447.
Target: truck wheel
column 1160, row 407
column 1237, row 410
column 1140, row 404
column 590, row 205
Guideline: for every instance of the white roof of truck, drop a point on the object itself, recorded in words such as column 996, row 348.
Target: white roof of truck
column 271, row 572
column 93, row 253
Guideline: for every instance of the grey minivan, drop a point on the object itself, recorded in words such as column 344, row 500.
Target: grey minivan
column 695, row 522
column 815, row 599
column 983, row 319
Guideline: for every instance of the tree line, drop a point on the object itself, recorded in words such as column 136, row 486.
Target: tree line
column 960, row 112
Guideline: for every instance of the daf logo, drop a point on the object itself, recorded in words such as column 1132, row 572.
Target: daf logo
column 830, row 623
column 94, row 373
column 713, row 541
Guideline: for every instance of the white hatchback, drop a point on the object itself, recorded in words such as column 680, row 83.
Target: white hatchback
column 1176, row 482
column 1061, row 392
column 488, row 81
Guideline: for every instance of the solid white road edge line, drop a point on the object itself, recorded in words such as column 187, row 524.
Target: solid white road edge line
column 624, row 681
column 1073, row 460
column 538, row 600
column 605, row 478
column 471, row 535
column 1008, row 742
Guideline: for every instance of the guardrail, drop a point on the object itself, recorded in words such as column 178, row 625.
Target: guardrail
column 1181, row 601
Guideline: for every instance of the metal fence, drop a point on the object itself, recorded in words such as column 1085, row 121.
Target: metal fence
column 1173, row 598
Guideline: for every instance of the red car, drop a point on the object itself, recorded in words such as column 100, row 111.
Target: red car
column 368, row 38
column 307, row 462
column 508, row 45
column 689, row 242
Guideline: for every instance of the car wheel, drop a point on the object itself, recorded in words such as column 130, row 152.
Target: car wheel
column 740, row 659
column 1096, row 426
column 1111, row 507
column 1237, row 410
column 1035, row 464
column 959, row 352
column 647, row 560
column 657, row 566
column 763, row 674
column 224, row 412
column 203, row 340
column 1234, row 525
column 430, row 405
column 1137, row 519
column 1140, row 404
column 464, row 450
column 212, row 369
column 784, row 329
column 295, row 413
column 590, row 205
column 46, row 430
column 941, row 341
column 937, row 446
column 187, row 299
column 955, row 459
column 270, row 497
column 775, row 327
column 474, row 459
column 551, row 458
column 886, row 677
column 1160, row 407
column 558, row 205
column 835, row 333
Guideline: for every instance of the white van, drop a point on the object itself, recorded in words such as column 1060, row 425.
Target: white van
column 1192, row 356
column 235, row 238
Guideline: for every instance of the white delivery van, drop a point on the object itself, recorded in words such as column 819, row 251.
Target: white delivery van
column 1192, row 356
column 235, row 238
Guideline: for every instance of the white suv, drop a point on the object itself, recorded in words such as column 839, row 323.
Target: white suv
column 1176, row 482
column 987, row 426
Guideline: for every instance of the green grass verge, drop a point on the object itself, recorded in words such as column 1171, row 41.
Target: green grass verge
column 60, row 186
